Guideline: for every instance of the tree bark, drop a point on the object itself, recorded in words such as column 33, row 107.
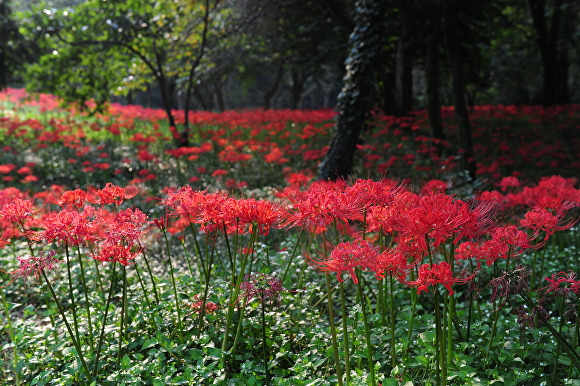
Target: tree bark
column 432, row 74
column 356, row 98
column 553, row 44
column 456, row 68
column 269, row 94
column 404, row 73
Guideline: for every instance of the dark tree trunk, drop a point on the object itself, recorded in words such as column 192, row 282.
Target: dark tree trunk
column 404, row 73
column 219, row 97
column 269, row 94
column 432, row 74
column 553, row 43
column 356, row 98
column 456, row 69
column 297, row 88
column 201, row 99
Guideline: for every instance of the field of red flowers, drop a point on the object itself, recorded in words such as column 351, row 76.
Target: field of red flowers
column 128, row 260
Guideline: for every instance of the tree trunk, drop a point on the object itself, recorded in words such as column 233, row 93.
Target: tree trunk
column 456, row 69
column 356, row 98
column 269, row 94
column 297, row 88
column 404, row 73
column 553, row 43
column 432, row 74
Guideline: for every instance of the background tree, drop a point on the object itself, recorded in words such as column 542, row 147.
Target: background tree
column 101, row 46
column 356, row 98
column 14, row 50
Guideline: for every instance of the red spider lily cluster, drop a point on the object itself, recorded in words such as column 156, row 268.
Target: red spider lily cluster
column 107, row 235
column 436, row 237
column 298, row 138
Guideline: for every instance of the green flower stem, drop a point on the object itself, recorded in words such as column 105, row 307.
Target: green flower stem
column 100, row 288
column 572, row 354
column 333, row 330
column 371, row 362
column 559, row 347
column 87, row 304
column 205, row 292
column 71, row 294
column 12, row 339
column 413, row 312
column 441, row 365
column 234, row 293
column 150, row 275
column 264, row 340
column 294, row 253
column 392, row 320
column 146, row 297
column 122, row 318
column 68, row 327
column 345, row 333
column 104, row 322
column 187, row 258
column 172, row 275
column 200, row 263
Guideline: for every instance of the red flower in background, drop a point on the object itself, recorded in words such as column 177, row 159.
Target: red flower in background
column 110, row 194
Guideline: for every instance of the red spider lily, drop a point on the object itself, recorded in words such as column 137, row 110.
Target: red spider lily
column 433, row 274
column 123, row 236
column 563, row 283
column 34, row 265
column 110, row 194
column 298, row 180
column 262, row 286
column 252, row 213
column 372, row 193
column 323, row 204
column 210, row 307
column 346, row 257
column 441, row 218
column 75, row 198
column 16, row 212
column 68, row 227
column 434, row 186
column 505, row 241
column 509, row 182
column 540, row 219
column 392, row 262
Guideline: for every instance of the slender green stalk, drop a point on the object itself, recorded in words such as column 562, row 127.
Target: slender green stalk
column 146, row 297
column 187, row 258
column 294, row 253
column 371, row 361
column 392, row 320
column 559, row 347
column 333, row 330
column 68, row 327
column 440, row 363
column 572, row 354
column 264, row 340
column 200, row 263
column 150, row 275
column 104, row 322
column 122, row 318
column 71, row 293
column 234, row 293
column 12, row 339
column 100, row 288
column 172, row 275
column 87, row 304
column 345, row 333
column 205, row 292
